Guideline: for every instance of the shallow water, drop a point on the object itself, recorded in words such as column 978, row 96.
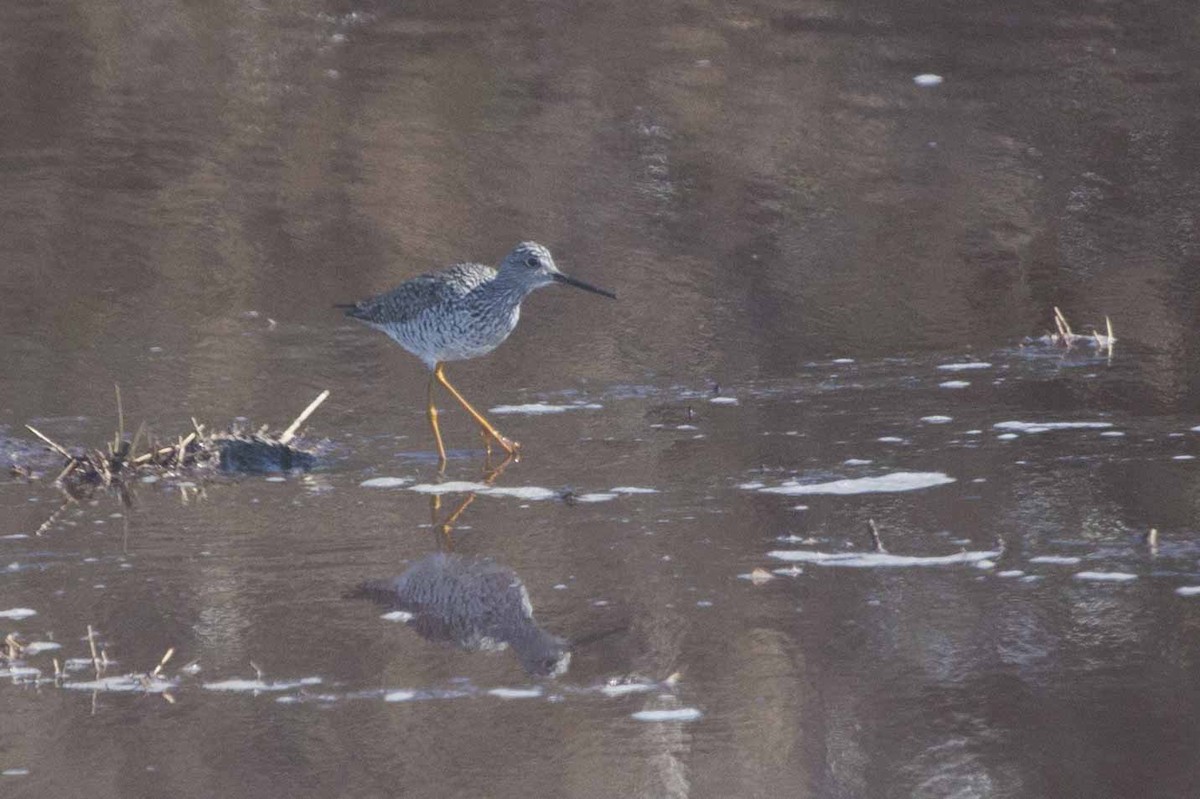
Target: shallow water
column 827, row 271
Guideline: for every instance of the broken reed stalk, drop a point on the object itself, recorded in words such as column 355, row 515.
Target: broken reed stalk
column 290, row 433
column 54, row 445
column 120, row 421
column 1064, row 329
column 876, row 541
column 91, row 637
column 158, row 669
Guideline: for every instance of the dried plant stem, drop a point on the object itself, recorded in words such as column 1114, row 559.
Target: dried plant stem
column 290, row 433
column 50, row 443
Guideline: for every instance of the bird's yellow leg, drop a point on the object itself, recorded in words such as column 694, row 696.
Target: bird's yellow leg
column 509, row 446
column 432, row 412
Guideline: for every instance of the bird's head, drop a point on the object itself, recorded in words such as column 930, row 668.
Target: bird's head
column 531, row 265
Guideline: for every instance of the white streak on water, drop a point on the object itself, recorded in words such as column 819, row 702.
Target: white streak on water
column 1058, row 560
column 1010, row 573
column 462, row 487
column 597, row 496
column 867, row 560
column 385, row 482
column 1042, row 427
column 954, row 384
column 890, row 440
column 962, row 367
column 1188, row 590
column 17, row 613
column 516, row 693
column 399, row 696
column 633, row 490
column 724, row 401
column 1107, row 577
column 626, row 688
column 887, row 483
column 37, row 647
column 538, row 408
column 256, row 686
column 937, row 419
column 398, row 615
column 679, row 714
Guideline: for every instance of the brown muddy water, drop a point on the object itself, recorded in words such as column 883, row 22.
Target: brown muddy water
column 826, row 270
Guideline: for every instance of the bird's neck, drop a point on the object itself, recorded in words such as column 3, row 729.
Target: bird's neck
column 505, row 290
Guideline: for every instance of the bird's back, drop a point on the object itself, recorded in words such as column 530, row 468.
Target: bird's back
column 432, row 292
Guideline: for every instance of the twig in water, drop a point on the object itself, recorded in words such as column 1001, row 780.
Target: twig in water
column 158, row 669
column 876, row 541
column 290, row 433
column 50, row 443
column 91, row 637
column 257, row 670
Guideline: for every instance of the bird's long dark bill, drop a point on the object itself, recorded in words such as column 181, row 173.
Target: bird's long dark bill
column 579, row 284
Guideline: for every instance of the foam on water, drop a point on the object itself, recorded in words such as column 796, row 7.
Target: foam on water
column 399, row 696
column 633, row 490
column 626, row 688
column 260, row 686
column 539, row 408
column 1057, row 560
column 1106, row 577
column 890, row 440
column 954, row 384
column 887, row 483
column 724, row 401
column 1010, row 573
column 463, row 486
column 17, row 613
column 963, row 367
column 596, row 496
column 677, row 714
column 515, row 693
column 869, row 560
column 1042, row 427
column 37, row 647
column 937, row 419
column 126, row 683
column 1188, row 590
column 398, row 615
column 385, row 482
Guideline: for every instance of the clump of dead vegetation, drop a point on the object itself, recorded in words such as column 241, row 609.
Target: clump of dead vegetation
column 1064, row 336
column 234, row 450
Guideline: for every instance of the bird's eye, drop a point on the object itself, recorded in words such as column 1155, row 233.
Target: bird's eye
column 532, row 262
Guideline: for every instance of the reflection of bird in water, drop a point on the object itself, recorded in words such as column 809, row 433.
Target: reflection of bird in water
column 463, row 312
column 474, row 603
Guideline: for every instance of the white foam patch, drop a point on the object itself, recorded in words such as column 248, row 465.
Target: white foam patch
column 937, row 419
column 259, row 686
column 515, row 693
column 539, row 408
column 678, row 714
column 1057, row 560
column 633, row 490
column 13, row 537
column 126, row 683
column 1183, row 458
column 1188, row 590
column 463, row 486
column 398, row 615
column 1112, row 434
column 597, row 496
column 753, row 485
column 22, row 671
column 954, row 384
column 724, row 400
column 385, row 482
column 964, row 367
column 888, row 483
column 399, row 696
column 14, row 772
column 1010, row 573
column 37, row 647
column 1106, row 577
column 17, row 613
column 856, row 462
column 890, row 440
column 1042, row 427
column 869, row 560
column 927, row 79
column 626, row 688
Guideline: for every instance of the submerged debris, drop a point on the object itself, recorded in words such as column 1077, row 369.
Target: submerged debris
column 1066, row 338
column 230, row 451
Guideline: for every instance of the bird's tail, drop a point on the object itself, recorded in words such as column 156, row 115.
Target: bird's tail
column 351, row 309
